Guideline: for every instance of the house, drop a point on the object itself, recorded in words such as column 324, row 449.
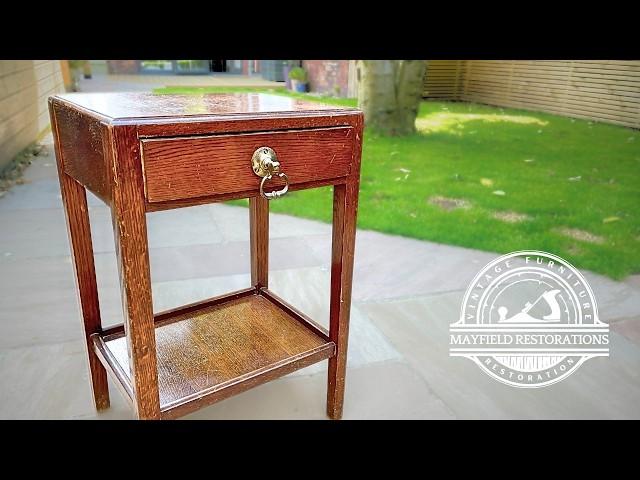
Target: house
column 334, row 77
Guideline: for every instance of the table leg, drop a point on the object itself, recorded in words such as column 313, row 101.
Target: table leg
column 132, row 248
column 259, row 226
column 74, row 199
column 345, row 198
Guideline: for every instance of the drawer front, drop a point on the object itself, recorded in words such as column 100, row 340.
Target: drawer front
column 182, row 168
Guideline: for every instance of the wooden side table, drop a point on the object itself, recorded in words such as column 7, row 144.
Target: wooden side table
column 142, row 153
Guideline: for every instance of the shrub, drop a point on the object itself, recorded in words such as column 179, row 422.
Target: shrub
column 299, row 74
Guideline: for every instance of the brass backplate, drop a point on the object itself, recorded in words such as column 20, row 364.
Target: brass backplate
column 265, row 162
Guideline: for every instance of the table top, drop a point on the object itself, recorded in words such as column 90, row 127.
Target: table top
column 122, row 105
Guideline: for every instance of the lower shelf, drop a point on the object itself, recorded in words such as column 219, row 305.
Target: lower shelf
column 221, row 347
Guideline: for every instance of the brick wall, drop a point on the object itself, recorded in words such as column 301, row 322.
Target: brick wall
column 327, row 76
column 25, row 86
column 123, row 66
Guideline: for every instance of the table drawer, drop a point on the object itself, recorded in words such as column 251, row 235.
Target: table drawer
column 190, row 167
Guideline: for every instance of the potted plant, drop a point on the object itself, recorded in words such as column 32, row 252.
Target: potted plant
column 288, row 65
column 298, row 76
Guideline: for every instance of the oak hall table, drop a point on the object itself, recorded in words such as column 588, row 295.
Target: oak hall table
column 140, row 153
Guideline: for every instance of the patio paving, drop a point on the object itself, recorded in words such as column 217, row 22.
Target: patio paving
column 403, row 303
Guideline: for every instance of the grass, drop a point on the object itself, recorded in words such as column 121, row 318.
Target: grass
column 570, row 187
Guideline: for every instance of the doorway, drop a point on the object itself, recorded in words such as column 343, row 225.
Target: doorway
column 183, row 67
column 217, row 66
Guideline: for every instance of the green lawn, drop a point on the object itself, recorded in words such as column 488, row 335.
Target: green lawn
column 566, row 186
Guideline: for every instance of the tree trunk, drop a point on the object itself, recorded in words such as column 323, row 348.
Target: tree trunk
column 389, row 93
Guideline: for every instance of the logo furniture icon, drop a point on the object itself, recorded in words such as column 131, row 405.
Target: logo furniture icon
column 529, row 319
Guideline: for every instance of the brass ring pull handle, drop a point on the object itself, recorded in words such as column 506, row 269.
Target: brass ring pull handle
column 275, row 193
column 265, row 164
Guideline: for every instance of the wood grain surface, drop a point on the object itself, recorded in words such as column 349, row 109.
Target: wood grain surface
column 178, row 168
column 74, row 201
column 81, row 138
column 145, row 105
column 132, row 249
column 162, row 127
column 166, row 316
column 184, row 115
column 113, row 368
column 295, row 313
column 190, row 202
column 259, row 241
column 345, row 212
column 225, row 345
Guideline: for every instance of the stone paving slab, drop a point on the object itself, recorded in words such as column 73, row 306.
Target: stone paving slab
column 303, row 398
column 604, row 388
column 44, row 382
column 404, row 396
column 628, row 327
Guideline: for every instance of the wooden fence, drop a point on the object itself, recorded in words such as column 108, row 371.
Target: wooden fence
column 25, row 86
column 602, row 90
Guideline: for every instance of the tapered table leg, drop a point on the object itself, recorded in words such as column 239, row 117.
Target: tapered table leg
column 74, row 199
column 259, row 226
column 132, row 248
column 345, row 198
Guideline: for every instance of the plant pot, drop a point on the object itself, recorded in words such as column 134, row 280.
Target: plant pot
column 298, row 86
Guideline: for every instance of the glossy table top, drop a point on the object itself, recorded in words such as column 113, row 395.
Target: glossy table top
column 148, row 105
